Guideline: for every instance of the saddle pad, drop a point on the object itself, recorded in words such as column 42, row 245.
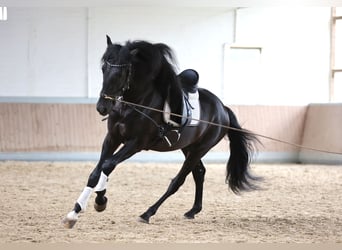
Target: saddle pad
column 195, row 108
column 193, row 100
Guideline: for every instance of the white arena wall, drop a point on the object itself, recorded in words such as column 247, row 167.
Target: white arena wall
column 60, row 49
column 56, row 51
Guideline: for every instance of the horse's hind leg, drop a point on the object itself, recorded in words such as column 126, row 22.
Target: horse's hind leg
column 192, row 161
column 173, row 187
column 198, row 174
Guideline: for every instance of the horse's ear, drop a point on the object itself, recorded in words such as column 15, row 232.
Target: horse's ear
column 109, row 42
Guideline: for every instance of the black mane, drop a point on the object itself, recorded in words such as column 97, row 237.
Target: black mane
column 147, row 48
column 163, row 63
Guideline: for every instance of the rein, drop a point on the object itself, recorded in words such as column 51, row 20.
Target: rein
column 133, row 105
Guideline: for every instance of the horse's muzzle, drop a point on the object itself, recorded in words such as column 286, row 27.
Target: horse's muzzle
column 102, row 109
column 103, row 106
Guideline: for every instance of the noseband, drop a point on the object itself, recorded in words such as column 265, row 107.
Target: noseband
column 125, row 65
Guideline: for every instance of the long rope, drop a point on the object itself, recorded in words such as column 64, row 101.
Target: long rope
column 225, row 126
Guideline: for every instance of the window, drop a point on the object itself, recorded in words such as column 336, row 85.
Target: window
column 242, row 73
column 336, row 55
column 277, row 60
column 3, row 13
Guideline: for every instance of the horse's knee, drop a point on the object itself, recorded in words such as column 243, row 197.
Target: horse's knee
column 93, row 179
column 108, row 166
column 97, row 176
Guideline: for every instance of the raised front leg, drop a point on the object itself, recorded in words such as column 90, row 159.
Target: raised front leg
column 98, row 178
column 109, row 146
column 107, row 168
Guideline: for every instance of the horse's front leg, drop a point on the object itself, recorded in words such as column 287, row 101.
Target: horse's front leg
column 106, row 169
column 97, row 180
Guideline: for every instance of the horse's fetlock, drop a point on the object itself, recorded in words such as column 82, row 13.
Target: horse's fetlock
column 101, row 193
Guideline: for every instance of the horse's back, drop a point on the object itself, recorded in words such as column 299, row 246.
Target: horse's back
column 211, row 105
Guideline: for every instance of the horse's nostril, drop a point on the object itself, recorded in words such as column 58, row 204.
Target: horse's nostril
column 101, row 109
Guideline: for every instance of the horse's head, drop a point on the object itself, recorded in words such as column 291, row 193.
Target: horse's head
column 130, row 70
column 116, row 69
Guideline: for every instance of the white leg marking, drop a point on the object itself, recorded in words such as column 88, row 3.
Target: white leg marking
column 102, row 184
column 72, row 215
column 84, row 197
column 70, row 220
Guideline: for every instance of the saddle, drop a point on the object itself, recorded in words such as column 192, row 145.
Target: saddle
column 189, row 102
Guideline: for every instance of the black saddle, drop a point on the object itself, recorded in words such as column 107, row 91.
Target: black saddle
column 189, row 80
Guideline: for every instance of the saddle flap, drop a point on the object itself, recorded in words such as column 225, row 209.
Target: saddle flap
column 190, row 111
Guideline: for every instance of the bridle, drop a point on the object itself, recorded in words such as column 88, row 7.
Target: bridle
column 125, row 65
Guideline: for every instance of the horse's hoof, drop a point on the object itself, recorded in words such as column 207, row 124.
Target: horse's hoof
column 68, row 223
column 70, row 220
column 189, row 216
column 102, row 207
column 143, row 220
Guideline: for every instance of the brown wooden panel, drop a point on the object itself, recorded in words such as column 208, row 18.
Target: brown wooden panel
column 323, row 127
column 281, row 122
column 50, row 127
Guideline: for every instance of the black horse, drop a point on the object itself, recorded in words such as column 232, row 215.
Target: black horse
column 143, row 73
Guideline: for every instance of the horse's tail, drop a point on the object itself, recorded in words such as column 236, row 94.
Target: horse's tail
column 242, row 148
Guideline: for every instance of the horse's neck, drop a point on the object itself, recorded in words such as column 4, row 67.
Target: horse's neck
column 148, row 97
